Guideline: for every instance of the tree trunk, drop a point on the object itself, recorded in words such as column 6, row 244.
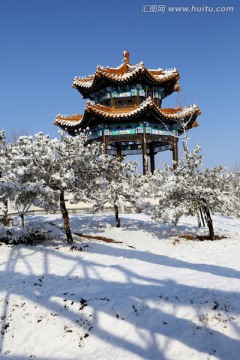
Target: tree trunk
column 209, row 222
column 202, row 218
column 65, row 218
column 22, row 219
column 5, row 212
column 199, row 219
column 118, row 222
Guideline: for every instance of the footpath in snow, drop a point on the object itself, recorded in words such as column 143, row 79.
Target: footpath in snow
column 148, row 294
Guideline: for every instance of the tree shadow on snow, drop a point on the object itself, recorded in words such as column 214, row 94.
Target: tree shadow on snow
column 142, row 301
column 97, row 223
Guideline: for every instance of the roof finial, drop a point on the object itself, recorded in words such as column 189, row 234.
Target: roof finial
column 126, row 57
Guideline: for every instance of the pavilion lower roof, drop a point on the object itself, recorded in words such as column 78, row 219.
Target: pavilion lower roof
column 97, row 114
column 127, row 74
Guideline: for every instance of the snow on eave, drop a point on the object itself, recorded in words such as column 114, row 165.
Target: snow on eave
column 176, row 114
column 71, row 121
column 133, row 70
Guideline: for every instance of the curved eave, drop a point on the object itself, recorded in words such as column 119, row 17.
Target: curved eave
column 73, row 121
column 99, row 114
column 104, row 77
column 96, row 116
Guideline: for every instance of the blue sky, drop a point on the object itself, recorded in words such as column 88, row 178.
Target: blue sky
column 45, row 43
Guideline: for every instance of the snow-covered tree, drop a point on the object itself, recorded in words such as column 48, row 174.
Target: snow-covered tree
column 20, row 181
column 236, row 181
column 39, row 169
column 3, row 197
column 185, row 189
column 118, row 185
column 59, row 166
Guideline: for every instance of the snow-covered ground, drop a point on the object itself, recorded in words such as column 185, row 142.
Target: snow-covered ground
column 147, row 295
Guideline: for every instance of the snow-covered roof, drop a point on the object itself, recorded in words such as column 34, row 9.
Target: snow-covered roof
column 125, row 74
column 97, row 113
column 66, row 120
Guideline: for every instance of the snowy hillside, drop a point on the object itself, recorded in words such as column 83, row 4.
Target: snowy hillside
column 138, row 292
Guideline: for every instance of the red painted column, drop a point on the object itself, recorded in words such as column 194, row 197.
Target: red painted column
column 105, row 142
column 175, row 151
column 152, row 159
column 144, row 152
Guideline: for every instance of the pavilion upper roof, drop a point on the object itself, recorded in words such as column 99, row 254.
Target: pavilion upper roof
column 127, row 74
column 97, row 114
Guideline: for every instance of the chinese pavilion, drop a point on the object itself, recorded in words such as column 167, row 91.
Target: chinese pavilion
column 125, row 111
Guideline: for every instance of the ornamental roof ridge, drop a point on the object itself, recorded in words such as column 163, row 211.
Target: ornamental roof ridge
column 136, row 66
